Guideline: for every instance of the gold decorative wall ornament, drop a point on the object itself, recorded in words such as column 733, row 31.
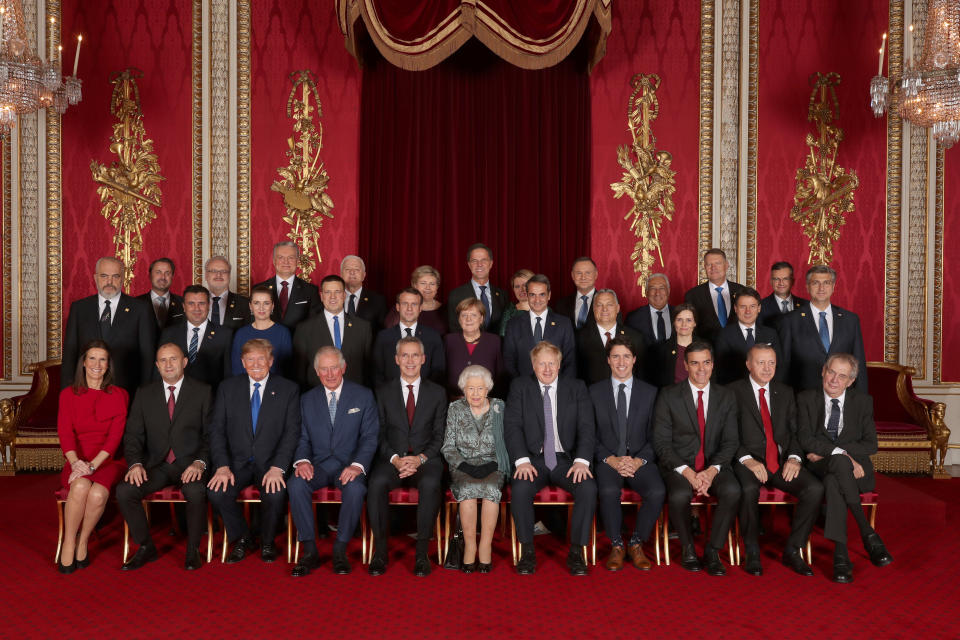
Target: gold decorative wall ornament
column 130, row 187
column 824, row 189
column 647, row 178
column 303, row 182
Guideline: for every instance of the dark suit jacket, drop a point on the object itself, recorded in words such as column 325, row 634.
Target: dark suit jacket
column 371, row 306
column 592, row 355
column 858, row 437
column 132, row 337
column 486, row 353
column 213, row 355
column 640, row 320
column 772, row 315
column 232, row 440
column 498, row 302
column 356, row 344
column 352, row 437
column 425, row 435
column 567, row 307
column 676, row 436
column 523, row 423
column 237, row 312
column 385, row 351
column 803, row 352
column 783, row 416
column 639, row 419
column 518, row 342
column 708, row 325
column 174, row 310
column 662, row 363
column 150, row 434
column 303, row 301
column 730, row 351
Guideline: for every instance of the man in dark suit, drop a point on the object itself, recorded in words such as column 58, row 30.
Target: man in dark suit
column 593, row 338
column 550, row 436
column 294, row 299
column 811, row 333
column 653, row 320
column 775, row 307
column 253, row 434
column 623, row 407
column 413, row 417
column 332, row 327
column 125, row 323
column 735, row 339
column 385, row 348
column 836, row 429
column 714, row 298
column 361, row 301
column 165, row 444
column 695, row 437
column 480, row 261
column 227, row 309
column 167, row 307
column 770, row 454
column 540, row 323
column 338, row 440
column 578, row 306
column 207, row 347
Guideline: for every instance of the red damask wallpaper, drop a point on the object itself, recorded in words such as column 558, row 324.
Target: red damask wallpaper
column 950, row 371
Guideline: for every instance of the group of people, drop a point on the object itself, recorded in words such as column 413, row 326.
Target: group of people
column 301, row 387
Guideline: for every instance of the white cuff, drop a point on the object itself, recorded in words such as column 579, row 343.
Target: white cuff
column 585, row 462
column 299, row 461
column 681, row 469
column 837, row 451
column 520, row 461
column 746, row 457
column 357, row 464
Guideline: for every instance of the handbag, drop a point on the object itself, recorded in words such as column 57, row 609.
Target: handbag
column 454, row 559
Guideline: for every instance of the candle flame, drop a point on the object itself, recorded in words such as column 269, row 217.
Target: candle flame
column 884, row 36
column 911, row 28
column 79, row 38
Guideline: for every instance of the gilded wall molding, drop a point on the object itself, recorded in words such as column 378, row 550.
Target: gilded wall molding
column 243, row 146
column 938, row 273
column 730, row 134
column 219, row 123
column 706, row 130
column 753, row 92
column 891, row 316
column 29, row 273
column 196, row 141
column 7, row 228
column 54, row 231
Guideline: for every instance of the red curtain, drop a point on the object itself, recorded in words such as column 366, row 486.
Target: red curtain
column 473, row 150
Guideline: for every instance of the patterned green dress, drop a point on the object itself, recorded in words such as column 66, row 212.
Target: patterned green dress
column 473, row 440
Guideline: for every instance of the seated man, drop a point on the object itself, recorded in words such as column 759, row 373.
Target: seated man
column 695, row 437
column 413, row 417
column 770, row 455
column 623, row 406
column 165, row 444
column 837, row 431
column 549, row 432
column 253, row 433
column 338, row 438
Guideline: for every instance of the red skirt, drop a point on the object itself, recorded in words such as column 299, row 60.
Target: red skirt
column 108, row 474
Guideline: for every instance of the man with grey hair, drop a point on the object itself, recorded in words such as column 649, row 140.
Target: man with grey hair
column 593, row 337
column 811, row 333
column 294, row 299
column 652, row 320
column 227, row 309
column 361, row 301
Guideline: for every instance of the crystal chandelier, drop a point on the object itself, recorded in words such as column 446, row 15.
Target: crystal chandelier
column 928, row 93
column 27, row 83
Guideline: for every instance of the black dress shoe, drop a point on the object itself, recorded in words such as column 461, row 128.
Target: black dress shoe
column 244, row 547
column 484, row 567
column 711, row 560
column 193, row 560
column 378, row 565
column 268, row 552
column 842, row 571
column 878, row 552
column 422, row 566
column 527, row 565
column 689, row 559
column 82, row 564
column 146, row 553
column 341, row 566
column 752, row 563
column 576, row 563
column 795, row 561
column 305, row 565
column 66, row 569
column 469, row 567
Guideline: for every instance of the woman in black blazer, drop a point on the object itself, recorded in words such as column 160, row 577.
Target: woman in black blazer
column 666, row 363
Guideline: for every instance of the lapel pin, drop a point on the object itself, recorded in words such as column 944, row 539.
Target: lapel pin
column 366, row 299
column 212, row 333
column 349, row 324
column 273, row 393
column 126, row 309
column 674, row 352
column 553, row 324
column 803, row 314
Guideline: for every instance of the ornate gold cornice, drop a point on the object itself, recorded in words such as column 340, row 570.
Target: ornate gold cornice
column 7, row 262
column 753, row 91
column 706, row 129
column 196, row 142
column 938, row 274
column 54, row 213
column 243, row 146
column 891, row 314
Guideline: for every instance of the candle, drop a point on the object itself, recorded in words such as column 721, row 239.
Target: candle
column 53, row 21
column 3, row 11
column 59, row 57
column 883, row 46
column 76, row 57
column 910, row 46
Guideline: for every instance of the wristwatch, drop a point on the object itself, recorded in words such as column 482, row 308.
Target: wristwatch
column 423, row 460
column 93, row 467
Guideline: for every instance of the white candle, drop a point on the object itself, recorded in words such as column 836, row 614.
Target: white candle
column 53, row 22
column 883, row 46
column 910, row 46
column 76, row 56
column 3, row 11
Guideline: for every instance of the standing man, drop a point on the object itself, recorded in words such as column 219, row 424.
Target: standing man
column 385, row 348
column 623, row 407
column 165, row 444
column 125, row 323
column 361, row 302
column 837, row 431
column 207, row 347
column 550, row 436
column 541, row 323
column 811, row 333
column 167, row 306
column 695, row 437
column 713, row 299
column 770, row 455
column 413, row 417
column 653, row 320
column 578, row 306
column 775, row 307
column 593, row 338
column 338, row 439
column 494, row 300
column 294, row 299
column 227, row 309
column 735, row 339
column 253, row 434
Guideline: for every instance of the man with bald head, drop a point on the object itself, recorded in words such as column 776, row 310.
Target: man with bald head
column 227, row 309
column 362, row 301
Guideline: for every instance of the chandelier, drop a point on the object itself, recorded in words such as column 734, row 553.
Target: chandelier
column 27, row 83
column 928, row 92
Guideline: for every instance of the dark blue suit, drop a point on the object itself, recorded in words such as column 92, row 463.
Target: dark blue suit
column 518, row 342
column 330, row 448
column 803, row 352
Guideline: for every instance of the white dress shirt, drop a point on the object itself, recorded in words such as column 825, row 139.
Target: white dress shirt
column 744, row 327
column 114, row 303
column 667, row 324
column 706, row 403
column 329, row 318
column 780, row 301
column 543, row 323
column 403, row 329
column 156, row 299
column 476, row 291
column 553, row 425
column 603, row 333
column 263, row 385
column 756, row 398
column 289, row 281
column 828, row 406
column 815, row 314
column 221, row 306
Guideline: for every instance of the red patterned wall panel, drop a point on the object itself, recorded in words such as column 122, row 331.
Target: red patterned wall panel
column 950, row 363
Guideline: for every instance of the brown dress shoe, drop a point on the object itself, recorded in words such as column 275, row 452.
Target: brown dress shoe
column 638, row 558
column 615, row 559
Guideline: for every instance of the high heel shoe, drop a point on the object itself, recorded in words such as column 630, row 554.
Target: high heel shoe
column 82, row 564
column 469, row 568
column 484, row 567
column 70, row 568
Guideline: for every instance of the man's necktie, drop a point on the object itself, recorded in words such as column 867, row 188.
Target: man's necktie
column 194, row 345
column 332, row 407
column 336, row 332
column 661, row 327
column 785, row 306
column 549, row 442
column 702, row 424
column 171, row 405
column 215, row 312
column 833, row 424
column 537, row 332
column 486, row 305
column 607, row 337
column 750, row 339
column 411, row 405
column 160, row 309
column 105, row 320
column 284, row 297
column 582, row 316
column 255, row 406
column 824, row 332
column 772, row 454
column 622, row 419
column 721, row 307
column 352, row 306
column 409, row 332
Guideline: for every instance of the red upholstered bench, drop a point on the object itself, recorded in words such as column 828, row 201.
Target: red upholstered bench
column 707, row 502
column 172, row 496
column 325, row 495
column 397, row 497
column 553, row 496
column 630, row 497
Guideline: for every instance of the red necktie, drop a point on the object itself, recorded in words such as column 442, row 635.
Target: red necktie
column 771, row 455
column 702, row 423
column 171, row 404
column 284, row 298
column 411, row 404
column 607, row 334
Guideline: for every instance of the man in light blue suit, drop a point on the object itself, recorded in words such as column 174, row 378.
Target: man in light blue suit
column 338, row 439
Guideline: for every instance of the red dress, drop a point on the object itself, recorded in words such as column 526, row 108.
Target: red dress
column 90, row 422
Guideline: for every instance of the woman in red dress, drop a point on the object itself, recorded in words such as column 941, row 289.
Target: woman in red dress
column 90, row 424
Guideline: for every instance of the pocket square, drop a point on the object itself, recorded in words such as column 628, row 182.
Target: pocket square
column 302, row 302
column 354, row 410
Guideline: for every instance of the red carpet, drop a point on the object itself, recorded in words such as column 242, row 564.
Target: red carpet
column 916, row 597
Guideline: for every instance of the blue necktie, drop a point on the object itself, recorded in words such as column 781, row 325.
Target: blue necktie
column 833, row 424
column 336, row 332
column 537, row 333
column 721, row 307
column 549, row 443
column 582, row 316
column 486, row 304
column 255, row 406
column 194, row 343
column 332, row 407
column 824, row 332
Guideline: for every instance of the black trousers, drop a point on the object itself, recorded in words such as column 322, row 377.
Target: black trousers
column 129, row 498
column 384, row 478
column 842, row 492
column 271, row 504
column 807, row 489
column 584, row 499
column 725, row 489
column 646, row 481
